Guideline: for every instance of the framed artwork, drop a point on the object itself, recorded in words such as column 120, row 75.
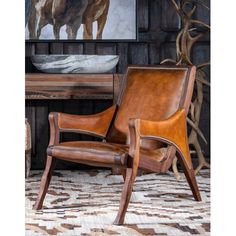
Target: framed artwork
column 110, row 20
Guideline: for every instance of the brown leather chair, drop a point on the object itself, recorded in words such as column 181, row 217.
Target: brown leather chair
column 143, row 131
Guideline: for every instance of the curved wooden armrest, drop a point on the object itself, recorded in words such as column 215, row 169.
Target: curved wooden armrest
column 96, row 124
column 172, row 131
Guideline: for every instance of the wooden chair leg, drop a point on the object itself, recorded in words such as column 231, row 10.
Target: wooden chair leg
column 45, row 181
column 190, row 176
column 125, row 196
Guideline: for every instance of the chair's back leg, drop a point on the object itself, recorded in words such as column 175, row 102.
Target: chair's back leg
column 45, row 181
column 190, row 176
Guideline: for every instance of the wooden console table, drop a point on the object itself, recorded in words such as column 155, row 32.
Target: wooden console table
column 40, row 86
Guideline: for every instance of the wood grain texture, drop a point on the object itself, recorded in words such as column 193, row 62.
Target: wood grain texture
column 69, row 86
column 117, row 86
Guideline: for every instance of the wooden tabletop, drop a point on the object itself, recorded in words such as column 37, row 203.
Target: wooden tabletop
column 71, row 86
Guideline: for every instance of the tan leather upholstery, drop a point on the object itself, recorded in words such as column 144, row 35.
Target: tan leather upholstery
column 97, row 124
column 98, row 153
column 104, row 154
column 150, row 94
column 172, row 130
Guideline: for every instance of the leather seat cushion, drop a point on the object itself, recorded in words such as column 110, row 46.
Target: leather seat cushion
column 90, row 153
column 102, row 154
column 149, row 159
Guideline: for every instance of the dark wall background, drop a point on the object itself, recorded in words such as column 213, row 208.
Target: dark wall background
column 158, row 25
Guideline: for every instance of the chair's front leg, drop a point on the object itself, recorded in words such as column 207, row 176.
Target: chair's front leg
column 125, row 197
column 131, row 171
column 51, row 161
column 190, row 176
column 45, row 181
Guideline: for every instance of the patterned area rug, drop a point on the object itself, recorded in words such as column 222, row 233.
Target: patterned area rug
column 86, row 202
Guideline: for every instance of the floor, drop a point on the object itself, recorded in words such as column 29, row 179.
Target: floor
column 86, row 202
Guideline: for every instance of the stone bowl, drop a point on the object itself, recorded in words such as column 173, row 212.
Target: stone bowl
column 74, row 63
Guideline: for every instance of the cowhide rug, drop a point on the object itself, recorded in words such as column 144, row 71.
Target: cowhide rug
column 86, row 202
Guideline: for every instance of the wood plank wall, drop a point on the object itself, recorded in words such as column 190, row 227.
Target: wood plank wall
column 158, row 25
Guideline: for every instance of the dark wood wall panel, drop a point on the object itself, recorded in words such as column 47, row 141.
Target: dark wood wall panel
column 154, row 53
column 155, row 9
column 158, row 26
column 138, row 54
column 122, row 51
column 143, row 15
column 201, row 53
column 169, row 18
column 89, row 48
column 202, row 12
column 29, row 51
column 168, row 50
column 41, row 136
column 42, row 48
column 56, row 48
column 106, row 49
column 71, row 48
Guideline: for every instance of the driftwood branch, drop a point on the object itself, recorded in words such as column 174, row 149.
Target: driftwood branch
column 197, row 2
column 195, row 127
column 200, row 23
column 203, row 81
column 203, row 65
column 184, row 44
column 170, row 61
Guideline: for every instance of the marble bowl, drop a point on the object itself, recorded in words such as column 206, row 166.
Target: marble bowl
column 74, row 63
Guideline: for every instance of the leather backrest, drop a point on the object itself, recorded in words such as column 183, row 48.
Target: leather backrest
column 151, row 93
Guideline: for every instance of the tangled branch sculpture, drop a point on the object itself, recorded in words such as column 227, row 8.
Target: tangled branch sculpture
column 186, row 38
